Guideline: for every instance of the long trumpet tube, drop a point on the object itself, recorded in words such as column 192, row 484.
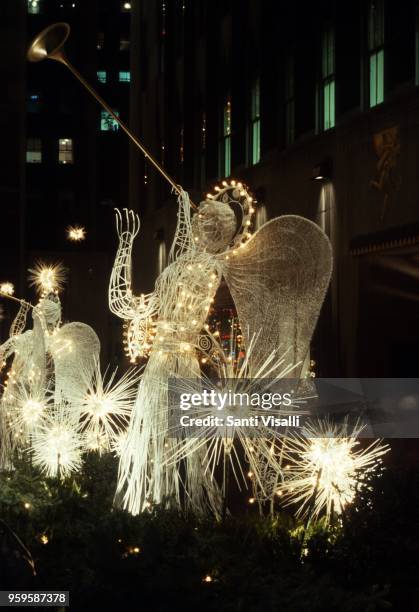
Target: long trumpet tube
column 15, row 299
column 50, row 44
column 130, row 135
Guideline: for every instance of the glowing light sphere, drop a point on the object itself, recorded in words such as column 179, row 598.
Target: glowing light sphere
column 7, row 288
column 56, row 449
column 326, row 468
column 47, row 278
column 76, row 233
column 232, row 444
column 106, row 407
column 26, row 407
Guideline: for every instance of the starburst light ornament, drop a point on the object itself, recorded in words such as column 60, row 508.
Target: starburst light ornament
column 56, row 445
column 76, row 233
column 7, row 288
column 26, row 406
column 326, row 466
column 106, row 406
column 232, row 447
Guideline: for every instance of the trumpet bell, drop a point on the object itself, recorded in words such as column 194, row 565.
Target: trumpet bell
column 49, row 43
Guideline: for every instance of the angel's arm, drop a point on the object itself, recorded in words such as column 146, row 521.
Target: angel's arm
column 122, row 302
column 19, row 322
column 183, row 240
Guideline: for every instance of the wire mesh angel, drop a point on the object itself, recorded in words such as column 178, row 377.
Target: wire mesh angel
column 49, row 355
column 71, row 347
column 277, row 278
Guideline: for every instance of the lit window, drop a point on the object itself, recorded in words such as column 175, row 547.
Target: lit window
column 125, row 6
column 123, row 44
column 34, row 102
column 107, row 122
column 225, row 142
column 329, row 105
column 100, row 41
column 377, row 77
column 376, row 51
column 34, row 151
column 65, row 151
column 328, row 78
column 101, row 76
column 124, row 76
column 255, row 123
column 289, row 101
column 34, row 7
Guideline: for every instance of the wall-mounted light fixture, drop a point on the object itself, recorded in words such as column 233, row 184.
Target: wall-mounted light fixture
column 159, row 234
column 323, row 171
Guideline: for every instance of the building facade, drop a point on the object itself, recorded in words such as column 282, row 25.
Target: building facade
column 66, row 157
column 317, row 111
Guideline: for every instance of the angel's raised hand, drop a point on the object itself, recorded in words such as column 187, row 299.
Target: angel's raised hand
column 127, row 223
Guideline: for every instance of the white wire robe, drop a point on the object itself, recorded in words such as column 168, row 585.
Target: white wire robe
column 278, row 281
column 180, row 302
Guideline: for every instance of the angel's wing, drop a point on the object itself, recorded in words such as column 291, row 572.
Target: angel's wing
column 278, row 282
column 75, row 350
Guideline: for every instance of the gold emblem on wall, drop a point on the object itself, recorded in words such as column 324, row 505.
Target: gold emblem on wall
column 387, row 179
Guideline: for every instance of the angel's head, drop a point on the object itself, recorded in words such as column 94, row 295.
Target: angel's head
column 214, row 226
column 49, row 308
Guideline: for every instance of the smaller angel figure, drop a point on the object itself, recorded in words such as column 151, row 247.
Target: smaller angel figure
column 50, row 355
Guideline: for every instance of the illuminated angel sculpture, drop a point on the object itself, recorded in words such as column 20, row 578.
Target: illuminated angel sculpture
column 49, row 357
column 277, row 278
